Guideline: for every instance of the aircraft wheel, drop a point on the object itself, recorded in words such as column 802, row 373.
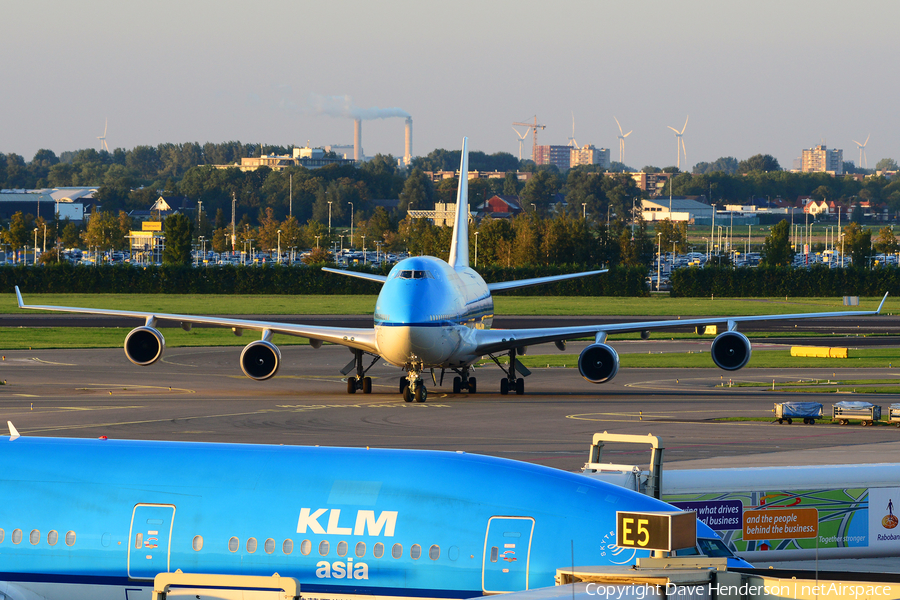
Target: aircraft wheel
column 367, row 385
column 351, row 385
column 520, row 386
column 504, row 387
column 472, row 386
column 404, row 384
column 407, row 394
column 421, row 393
column 790, row 421
column 457, row 385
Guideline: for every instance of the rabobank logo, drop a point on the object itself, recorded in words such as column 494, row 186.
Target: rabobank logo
column 365, row 523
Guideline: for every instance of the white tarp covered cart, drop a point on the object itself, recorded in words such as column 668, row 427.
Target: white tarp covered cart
column 788, row 411
column 866, row 412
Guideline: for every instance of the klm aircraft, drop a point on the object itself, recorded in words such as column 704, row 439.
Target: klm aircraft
column 432, row 314
column 85, row 519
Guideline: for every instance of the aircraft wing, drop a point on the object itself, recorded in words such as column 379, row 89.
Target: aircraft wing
column 499, row 340
column 359, row 338
column 512, row 285
column 357, row 274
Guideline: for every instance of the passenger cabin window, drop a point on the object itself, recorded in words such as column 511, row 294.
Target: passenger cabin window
column 342, row 549
column 305, row 547
column 2, row 535
column 251, row 545
column 269, row 546
column 378, row 550
column 415, row 551
column 360, row 549
column 288, row 546
column 494, row 552
column 34, row 537
column 70, row 538
column 197, row 543
column 16, row 536
column 324, row 548
column 397, row 551
column 434, row 552
column 233, row 544
column 52, row 537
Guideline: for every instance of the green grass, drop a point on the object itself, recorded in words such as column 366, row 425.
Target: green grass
column 503, row 305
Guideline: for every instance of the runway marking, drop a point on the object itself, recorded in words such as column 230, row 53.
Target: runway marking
column 134, row 388
column 27, row 395
column 47, row 362
column 169, row 362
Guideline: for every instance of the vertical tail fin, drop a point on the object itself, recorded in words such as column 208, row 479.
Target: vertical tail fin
column 459, row 245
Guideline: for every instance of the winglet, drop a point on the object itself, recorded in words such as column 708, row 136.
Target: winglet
column 13, row 433
column 19, row 298
column 459, row 245
column 878, row 312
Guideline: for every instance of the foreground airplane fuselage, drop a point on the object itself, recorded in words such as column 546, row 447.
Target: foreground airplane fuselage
column 426, row 311
column 94, row 518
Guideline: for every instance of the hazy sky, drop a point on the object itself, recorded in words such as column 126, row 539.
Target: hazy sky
column 755, row 77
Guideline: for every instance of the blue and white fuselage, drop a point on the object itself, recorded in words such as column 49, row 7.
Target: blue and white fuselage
column 99, row 519
column 426, row 312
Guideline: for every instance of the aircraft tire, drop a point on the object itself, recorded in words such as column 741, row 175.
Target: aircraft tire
column 404, row 384
column 367, row 385
column 520, row 386
column 457, row 385
column 407, row 394
column 351, row 385
column 472, row 385
column 504, row 387
column 421, row 393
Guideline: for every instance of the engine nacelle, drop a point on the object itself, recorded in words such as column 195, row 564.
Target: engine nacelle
column 260, row 360
column 144, row 345
column 730, row 350
column 598, row 363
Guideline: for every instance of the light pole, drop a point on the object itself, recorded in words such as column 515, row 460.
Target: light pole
column 203, row 247
column 365, row 258
column 707, row 248
column 279, row 246
column 317, row 241
column 329, row 218
column 476, row 248
column 291, row 197
column 533, row 207
column 583, row 210
column 632, row 217
column 842, row 250
column 351, row 225
column 658, row 258
column 34, row 260
column 342, row 235
column 44, row 248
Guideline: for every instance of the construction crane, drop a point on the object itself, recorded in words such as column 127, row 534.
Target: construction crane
column 534, row 128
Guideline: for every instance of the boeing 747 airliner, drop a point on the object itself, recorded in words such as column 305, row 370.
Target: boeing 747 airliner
column 436, row 314
column 99, row 519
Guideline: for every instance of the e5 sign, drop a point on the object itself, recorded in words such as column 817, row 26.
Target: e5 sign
column 656, row 531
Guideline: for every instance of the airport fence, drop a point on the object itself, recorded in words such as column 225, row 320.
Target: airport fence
column 746, row 282
column 230, row 279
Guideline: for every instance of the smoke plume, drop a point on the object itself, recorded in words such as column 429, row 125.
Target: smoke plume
column 343, row 107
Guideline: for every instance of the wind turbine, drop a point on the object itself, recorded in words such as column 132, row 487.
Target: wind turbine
column 572, row 141
column 679, row 143
column 102, row 138
column 622, row 137
column 522, row 137
column 862, row 152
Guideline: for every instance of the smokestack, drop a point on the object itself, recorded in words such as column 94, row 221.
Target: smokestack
column 407, row 155
column 357, row 140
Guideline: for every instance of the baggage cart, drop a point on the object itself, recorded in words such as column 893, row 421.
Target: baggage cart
column 865, row 412
column 788, row 411
column 894, row 414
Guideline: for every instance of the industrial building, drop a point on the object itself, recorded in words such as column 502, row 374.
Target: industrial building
column 311, row 158
column 71, row 202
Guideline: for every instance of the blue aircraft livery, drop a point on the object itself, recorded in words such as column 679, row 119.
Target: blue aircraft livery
column 99, row 519
column 433, row 314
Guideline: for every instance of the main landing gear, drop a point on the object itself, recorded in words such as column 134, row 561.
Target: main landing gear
column 360, row 382
column 464, row 383
column 511, row 383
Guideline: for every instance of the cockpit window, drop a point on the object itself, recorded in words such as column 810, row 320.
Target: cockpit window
column 713, row 547
column 415, row 275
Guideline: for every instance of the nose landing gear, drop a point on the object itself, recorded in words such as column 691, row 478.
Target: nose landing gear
column 412, row 387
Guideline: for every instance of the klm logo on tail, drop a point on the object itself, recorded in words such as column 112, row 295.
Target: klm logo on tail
column 366, row 523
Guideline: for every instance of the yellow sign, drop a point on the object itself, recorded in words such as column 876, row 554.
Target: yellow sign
column 151, row 226
column 656, row 531
column 781, row 524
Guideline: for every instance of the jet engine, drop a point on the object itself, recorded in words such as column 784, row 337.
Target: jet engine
column 144, row 345
column 598, row 363
column 260, row 360
column 730, row 350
